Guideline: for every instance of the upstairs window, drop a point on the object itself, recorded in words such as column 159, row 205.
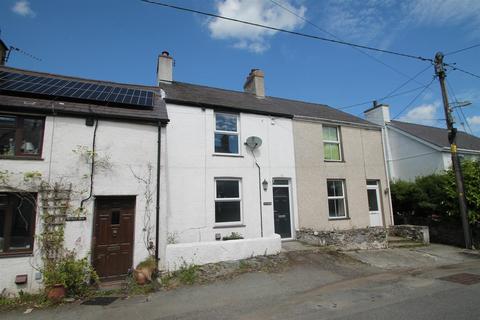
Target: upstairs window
column 228, row 201
column 20, row 136
column 337, row 203
column 332, row 150
column 226, row 133
column 17, row 221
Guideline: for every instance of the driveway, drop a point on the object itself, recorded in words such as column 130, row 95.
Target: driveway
column 317, row 285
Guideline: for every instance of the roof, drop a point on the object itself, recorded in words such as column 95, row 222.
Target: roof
column 28, row 102
column 437, row 136
column 3, row 44
column 197, row 95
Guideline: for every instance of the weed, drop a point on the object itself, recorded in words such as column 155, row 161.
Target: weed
column 187, row 274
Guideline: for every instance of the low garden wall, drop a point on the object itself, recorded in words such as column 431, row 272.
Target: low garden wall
column 415, row 233
column 352, row 239
column 198, row 253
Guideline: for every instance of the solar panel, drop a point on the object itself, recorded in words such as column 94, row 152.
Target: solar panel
column 75, row 90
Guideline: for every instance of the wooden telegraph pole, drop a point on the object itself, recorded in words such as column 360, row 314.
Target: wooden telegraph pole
column 452, row 135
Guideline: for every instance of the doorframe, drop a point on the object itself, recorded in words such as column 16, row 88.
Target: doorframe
column 290, row 203
column 94, row 238
column 377, row 188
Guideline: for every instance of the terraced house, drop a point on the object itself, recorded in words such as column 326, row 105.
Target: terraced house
column 181, row 172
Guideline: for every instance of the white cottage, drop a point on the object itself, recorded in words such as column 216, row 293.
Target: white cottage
column 230, row 171
column 51, row 128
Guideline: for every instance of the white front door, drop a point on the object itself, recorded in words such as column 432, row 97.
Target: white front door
column 374, row 207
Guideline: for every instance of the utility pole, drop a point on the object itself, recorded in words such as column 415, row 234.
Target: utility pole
column 452, row 137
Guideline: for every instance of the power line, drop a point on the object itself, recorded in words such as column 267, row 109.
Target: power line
column 415, row 98
column 337, row 38
column 454, row 67
column 461, row 50
column 286, row 31
column 461, row 110
column 383, row 98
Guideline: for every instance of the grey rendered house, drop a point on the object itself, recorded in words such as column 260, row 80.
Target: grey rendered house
column 415, row 150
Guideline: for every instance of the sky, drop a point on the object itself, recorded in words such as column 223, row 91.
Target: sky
column 120, row 41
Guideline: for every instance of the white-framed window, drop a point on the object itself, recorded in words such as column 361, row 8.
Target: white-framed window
column 332, row 150
column 337, row 202
column 228, row 201
column 227, row 133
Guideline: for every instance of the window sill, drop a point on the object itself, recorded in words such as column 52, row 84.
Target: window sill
column 229, row 226
column 335, row 219
column 341, row 161
column 4, row 255
column 37, row 158
column 227, row 155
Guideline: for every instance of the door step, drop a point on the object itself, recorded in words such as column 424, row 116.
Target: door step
column 399, row 242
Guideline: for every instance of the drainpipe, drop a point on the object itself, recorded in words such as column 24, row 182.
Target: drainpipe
column 260, row 194
column 92, row 170
column 386, row 156
column 157, row 218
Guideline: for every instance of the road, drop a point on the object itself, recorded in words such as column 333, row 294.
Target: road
column 318, row 285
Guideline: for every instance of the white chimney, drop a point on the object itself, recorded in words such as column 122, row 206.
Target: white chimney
column 378, row 114
column 255, row 83
column 165, row 68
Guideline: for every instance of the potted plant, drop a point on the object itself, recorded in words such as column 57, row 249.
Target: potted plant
column 54, row 283
column 144, row 270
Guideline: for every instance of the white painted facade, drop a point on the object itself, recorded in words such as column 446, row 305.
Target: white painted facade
column 408, row 156
column 125, row 146
column 192, row 166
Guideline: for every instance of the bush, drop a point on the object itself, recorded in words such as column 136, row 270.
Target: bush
column 75, row 274
column 436, row 195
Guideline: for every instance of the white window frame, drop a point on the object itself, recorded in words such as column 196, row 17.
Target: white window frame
column 237, row 133
column 338, row 142
column 343, row 197
column 239, row 199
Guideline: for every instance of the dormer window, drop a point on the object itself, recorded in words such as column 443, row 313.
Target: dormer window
column 20, row 136
column 226, row 133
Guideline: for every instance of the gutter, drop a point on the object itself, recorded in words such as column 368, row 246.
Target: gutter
column 341, row 122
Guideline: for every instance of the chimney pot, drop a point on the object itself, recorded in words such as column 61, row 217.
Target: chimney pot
column 255, row 83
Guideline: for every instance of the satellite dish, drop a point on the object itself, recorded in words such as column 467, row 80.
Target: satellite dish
column 253, row 142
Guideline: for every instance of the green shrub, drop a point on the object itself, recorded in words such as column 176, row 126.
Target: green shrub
column 75, row 274
column 187, row 274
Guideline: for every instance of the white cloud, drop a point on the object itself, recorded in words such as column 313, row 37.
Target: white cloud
column 474, row 122
column 22, row 7
column 262, row 12
column 379, row 22
column 423, row 114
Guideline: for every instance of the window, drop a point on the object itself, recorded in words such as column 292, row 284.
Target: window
column 17, row 221
column 331, row 144
column 226, row 133
column 20, row 136
column 228, row 201
column 337, row 205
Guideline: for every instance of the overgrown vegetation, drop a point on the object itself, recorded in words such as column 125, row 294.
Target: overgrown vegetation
column 434, row 197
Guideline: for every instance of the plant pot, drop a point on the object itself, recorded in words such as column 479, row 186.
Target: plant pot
column 140, row 277
column 56, row 292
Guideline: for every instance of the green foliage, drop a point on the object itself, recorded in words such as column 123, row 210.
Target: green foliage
column 75, row 274
column 187, row 274
column 436, row 194
column 148, row 263
column 233, row 236
column 23, row 299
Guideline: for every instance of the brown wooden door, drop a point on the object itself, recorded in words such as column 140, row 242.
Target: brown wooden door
column 113, row 236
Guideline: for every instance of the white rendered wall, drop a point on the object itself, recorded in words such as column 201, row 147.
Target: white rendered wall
column 129, row 147
column 198, row 253
column 192, row 166
column 410, row 159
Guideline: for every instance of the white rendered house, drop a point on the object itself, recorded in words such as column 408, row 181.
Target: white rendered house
column 415, row 150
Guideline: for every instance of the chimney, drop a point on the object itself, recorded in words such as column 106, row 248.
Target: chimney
column 165, row 68
column 255, row 83
column 3, row 52
column 378, row 114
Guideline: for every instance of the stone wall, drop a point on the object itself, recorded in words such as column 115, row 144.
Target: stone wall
column 415, row 233
column 352, row 239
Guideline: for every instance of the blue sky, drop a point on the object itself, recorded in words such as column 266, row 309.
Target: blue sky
column 120, row 41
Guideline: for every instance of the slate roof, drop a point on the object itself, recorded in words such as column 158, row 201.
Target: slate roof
column 437, row 136
column 191, row 94
column 14, row 102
